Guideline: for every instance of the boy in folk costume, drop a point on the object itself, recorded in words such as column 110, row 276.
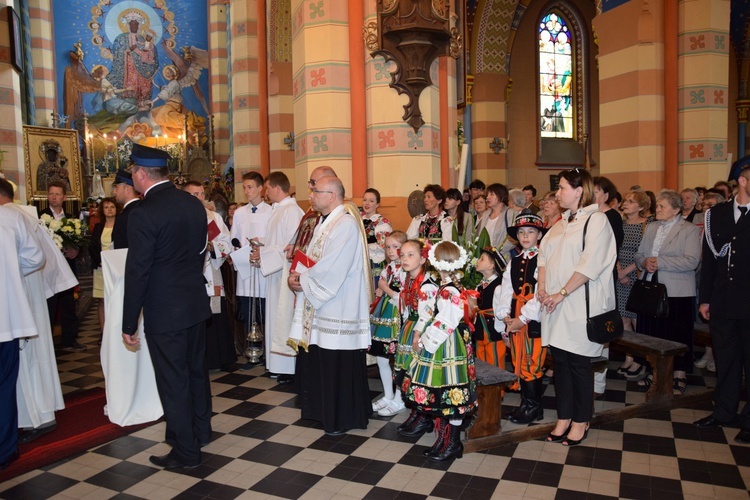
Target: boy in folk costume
column 518, row 312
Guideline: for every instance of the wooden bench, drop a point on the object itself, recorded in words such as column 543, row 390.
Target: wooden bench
column 660, row 354
column 702, row 335
column 491, row 382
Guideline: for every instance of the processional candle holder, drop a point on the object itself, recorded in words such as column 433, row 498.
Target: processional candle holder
column 412, row 34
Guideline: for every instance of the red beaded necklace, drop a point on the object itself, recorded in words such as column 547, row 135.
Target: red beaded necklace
column 410, row 294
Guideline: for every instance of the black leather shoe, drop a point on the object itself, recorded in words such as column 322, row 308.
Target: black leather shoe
column 708, row 422
column 285, row 379
column 339, row 432
column 168, row 462
column 743, row 436
column 30, row 435
column 9, row 460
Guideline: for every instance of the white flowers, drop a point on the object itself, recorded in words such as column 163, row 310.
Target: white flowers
column 442, row 265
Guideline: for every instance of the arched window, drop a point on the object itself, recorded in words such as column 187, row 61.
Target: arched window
column 563, row 111
column 556, row 106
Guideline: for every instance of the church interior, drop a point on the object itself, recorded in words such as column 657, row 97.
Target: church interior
column 393, row 95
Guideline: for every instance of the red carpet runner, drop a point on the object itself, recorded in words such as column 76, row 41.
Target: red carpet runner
column 80, row 426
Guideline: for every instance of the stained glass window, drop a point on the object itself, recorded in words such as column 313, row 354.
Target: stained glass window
column 555, row 77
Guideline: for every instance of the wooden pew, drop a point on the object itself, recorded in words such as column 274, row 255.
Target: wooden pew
column 491, row 382
column 659, row 353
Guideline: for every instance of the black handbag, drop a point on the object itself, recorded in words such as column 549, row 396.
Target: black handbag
column 607, row 326
column 649, row 297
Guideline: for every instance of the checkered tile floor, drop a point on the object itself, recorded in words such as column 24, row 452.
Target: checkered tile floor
column 262, row 449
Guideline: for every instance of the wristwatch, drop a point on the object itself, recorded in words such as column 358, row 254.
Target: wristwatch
column 563, row 292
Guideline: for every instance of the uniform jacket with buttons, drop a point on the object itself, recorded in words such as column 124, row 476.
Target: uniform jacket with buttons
column 725, row 281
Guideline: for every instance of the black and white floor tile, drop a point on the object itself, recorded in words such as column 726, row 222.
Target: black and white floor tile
column 262, row 449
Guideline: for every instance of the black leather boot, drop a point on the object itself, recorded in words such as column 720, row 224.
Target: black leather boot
column 521, row 409
column 408, row 422
column 422, row 424
column 452, row 446
column 534, row 410
column 440, row 425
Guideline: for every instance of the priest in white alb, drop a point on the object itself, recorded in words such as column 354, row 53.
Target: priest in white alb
column 331, row 326
column 285, row 217
column 39, row 393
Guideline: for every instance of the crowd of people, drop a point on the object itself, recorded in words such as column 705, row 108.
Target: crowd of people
column 338, row 282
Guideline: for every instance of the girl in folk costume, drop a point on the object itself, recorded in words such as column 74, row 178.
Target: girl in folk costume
column 377, row 228
column 416, row 306
column 385, row 323
column 441, row 380
column 518, row 312
column 489, row 342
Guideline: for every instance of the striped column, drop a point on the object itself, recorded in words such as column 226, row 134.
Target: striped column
column 631, row 96
column 400, row 160
column 244, row 81
column 488, row 124
column 703, row 48
column 11, row 140
column 280, row 98
column 42, row 53
column 219, row 82
column 320, row 89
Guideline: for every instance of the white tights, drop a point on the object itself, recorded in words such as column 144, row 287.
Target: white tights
column 386, row 376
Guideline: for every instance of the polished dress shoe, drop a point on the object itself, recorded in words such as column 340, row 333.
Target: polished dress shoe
column 32, row 434
column 6, row 463
column 708, row 422
column 743, row 436
column 285, row 379
column 168, row 462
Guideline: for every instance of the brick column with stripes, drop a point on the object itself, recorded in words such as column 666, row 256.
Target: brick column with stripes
column 244, row 81
column 631, row 96
column 703, row 48
column 43, row 56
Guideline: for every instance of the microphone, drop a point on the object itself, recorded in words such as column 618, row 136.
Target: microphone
column 236, row 243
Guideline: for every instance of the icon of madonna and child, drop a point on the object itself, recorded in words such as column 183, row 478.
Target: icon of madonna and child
column 126, row 99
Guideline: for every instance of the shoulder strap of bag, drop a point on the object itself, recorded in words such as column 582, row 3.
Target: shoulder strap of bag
column 586, row 285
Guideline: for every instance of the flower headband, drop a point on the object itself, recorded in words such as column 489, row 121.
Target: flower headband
column 442, row 265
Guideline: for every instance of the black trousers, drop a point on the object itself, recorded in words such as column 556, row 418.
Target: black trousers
column 574, row 385
column 65, row 302
column 179, row 360
column 731, row 339
column 677, row 327
column 9, row 362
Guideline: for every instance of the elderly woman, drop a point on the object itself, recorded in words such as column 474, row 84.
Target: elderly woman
column 633, row 207
column 498, row 218
column 435, row 225
column 671, row 247
column 565, row 267
column 551, row 211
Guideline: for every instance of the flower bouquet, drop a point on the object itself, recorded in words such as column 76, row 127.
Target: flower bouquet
column 471, row 277
column 66, row 233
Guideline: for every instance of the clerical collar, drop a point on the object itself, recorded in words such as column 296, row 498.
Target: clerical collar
column 324, row 217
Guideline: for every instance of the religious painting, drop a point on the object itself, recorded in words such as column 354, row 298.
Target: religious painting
column 138, row 69
column 555, row 78
column 51, row 154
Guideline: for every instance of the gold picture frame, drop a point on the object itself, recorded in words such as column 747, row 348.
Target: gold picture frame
column 51, row 154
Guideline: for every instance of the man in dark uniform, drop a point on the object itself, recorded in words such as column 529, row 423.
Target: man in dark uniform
column 724, row 289
column 164, row 276
column 127, row 196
